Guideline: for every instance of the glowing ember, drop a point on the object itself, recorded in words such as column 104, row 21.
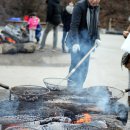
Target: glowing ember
column 85, row 119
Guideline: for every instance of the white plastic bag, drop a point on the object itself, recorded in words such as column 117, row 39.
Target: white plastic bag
column 126, row 45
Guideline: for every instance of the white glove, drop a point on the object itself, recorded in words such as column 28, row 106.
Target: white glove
column 98, row 42
column 75, row 48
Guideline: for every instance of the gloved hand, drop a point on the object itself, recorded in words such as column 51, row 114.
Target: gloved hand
column 98, row 42
column 75, row 48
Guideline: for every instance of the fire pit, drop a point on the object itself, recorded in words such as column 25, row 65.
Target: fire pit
column 98, row 122
column 29, row 93
column 77, row 106
column 26, row 92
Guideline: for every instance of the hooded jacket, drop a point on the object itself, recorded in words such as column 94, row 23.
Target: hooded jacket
column 53, row 12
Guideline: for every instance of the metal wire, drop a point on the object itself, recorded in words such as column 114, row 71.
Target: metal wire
column 102, row 93
column 55, row 84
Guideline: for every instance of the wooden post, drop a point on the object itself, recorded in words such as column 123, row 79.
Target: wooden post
column 110, row 24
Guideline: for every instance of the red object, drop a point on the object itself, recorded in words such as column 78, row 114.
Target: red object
column 10, row 40
column 26, row 18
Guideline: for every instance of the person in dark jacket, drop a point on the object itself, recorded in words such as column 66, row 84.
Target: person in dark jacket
column 53, row 20
column 66, row 20
column 81, row 38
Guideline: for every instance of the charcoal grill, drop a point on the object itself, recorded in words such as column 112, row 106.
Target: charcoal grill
column 56, row 84
column 94, row 93
column 27, row 92
column 108, row 93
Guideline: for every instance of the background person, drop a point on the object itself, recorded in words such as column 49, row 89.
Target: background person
column 38, row 33
column 66, row 20
column 125, row 34
column 53, row 20
column 32, row 25
column 81, row 38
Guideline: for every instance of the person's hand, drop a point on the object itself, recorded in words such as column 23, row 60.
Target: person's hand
column 98, row 42
column 75, row 48
column 125, row 33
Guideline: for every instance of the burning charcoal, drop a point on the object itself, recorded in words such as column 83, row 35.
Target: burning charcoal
column 55, row 119
column 84, row 118
column 70, row 115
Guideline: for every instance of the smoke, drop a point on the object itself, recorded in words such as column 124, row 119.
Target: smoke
column 121, row 111
column 103, row 98
column 100, row 96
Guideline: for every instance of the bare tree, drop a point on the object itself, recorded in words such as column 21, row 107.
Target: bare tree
column 117, row 10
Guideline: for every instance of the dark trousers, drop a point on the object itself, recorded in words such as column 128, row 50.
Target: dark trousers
column 48, row 28
column 63, row 40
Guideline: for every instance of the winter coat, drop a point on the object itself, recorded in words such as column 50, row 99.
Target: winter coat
column 66, row 17
column 53, row 12
column 78, row 27
column 33, row 22
column 38, row 31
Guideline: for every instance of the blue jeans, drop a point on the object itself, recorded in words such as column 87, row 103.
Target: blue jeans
column 86, row 43
column 79, row 76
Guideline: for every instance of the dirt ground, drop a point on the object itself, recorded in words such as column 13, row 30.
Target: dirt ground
column 38, row 58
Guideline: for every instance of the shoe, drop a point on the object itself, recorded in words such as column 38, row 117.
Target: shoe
column 53, row 50
column 41, row 49
column 64, row 51
column 37, row 47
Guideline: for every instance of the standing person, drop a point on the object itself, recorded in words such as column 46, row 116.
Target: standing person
column 125, row 34
column 66, row 20
column 81, row 38
column 53, row 20
column 32, row 25
column 38, row 33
